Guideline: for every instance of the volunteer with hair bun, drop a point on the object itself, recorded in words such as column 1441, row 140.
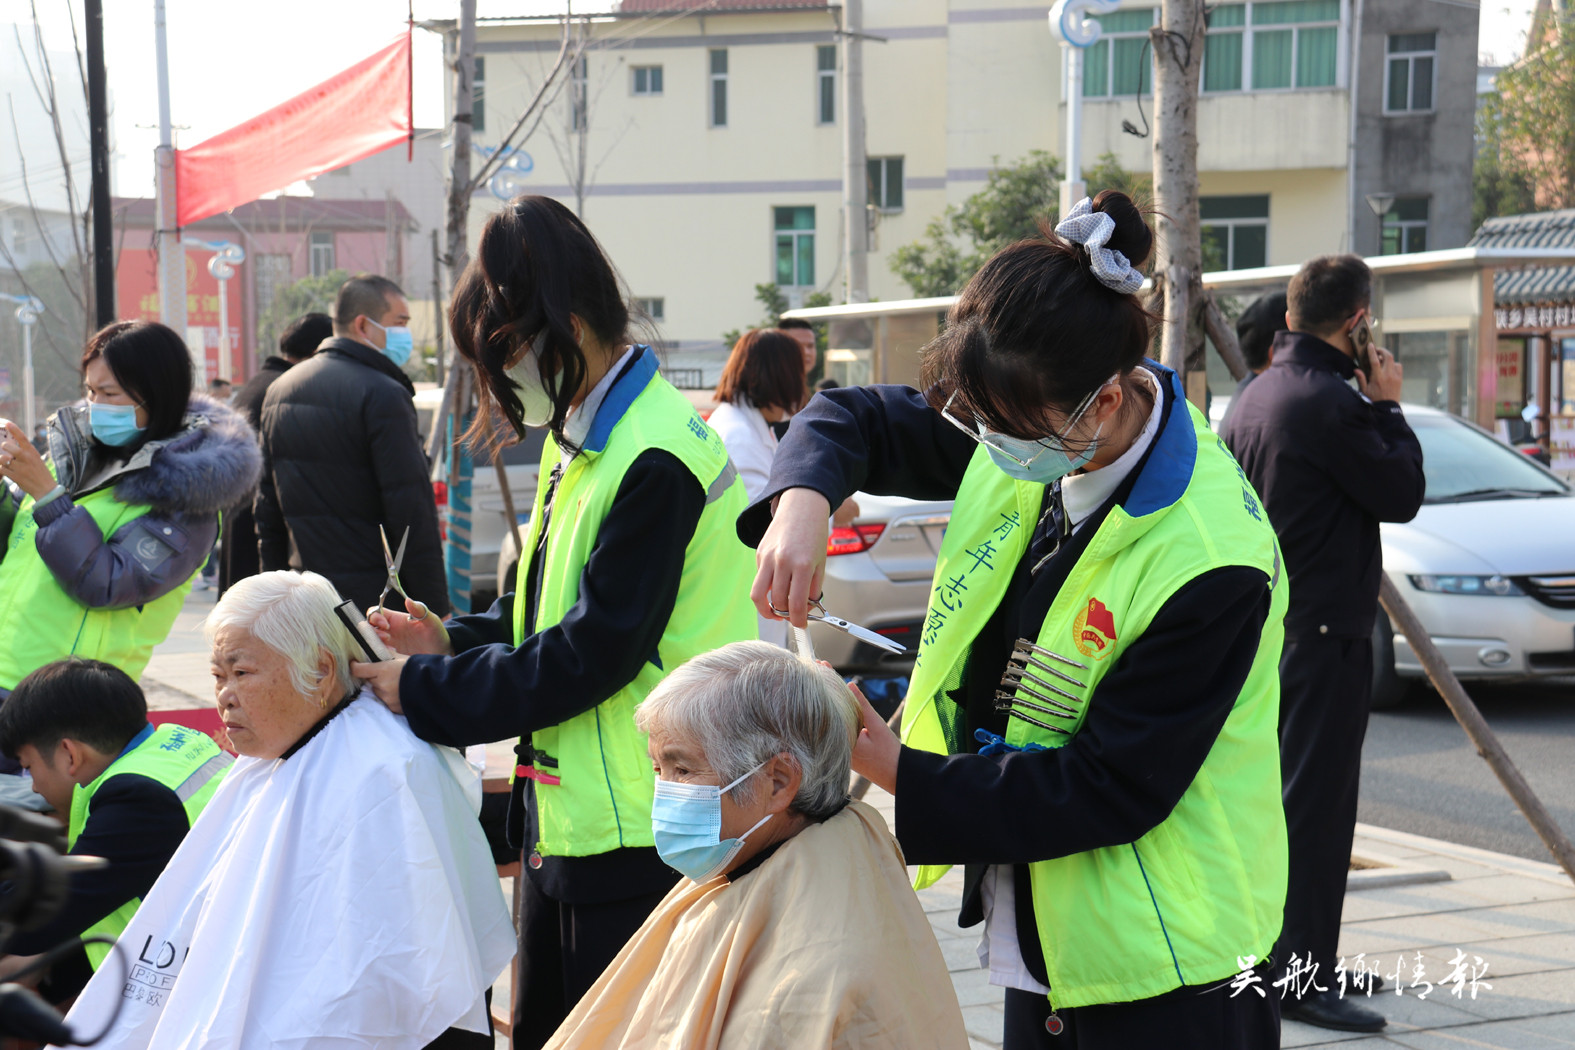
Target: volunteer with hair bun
column 1091, row 724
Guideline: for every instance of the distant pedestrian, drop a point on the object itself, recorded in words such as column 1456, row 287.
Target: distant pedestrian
column 1330, row 464
column 342, row 456
column 1256, row 328
column 804, row 334
column 238, row 551
column 220, row 389
column 826, row 383
column 41, row 439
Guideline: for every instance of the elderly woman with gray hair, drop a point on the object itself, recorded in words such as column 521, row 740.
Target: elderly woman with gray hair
column 337, row 890
column 796, row 926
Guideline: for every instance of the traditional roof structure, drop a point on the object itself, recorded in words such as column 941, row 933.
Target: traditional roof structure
column 1534, row 285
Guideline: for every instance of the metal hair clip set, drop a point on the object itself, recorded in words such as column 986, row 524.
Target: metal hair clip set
column 1019, row 679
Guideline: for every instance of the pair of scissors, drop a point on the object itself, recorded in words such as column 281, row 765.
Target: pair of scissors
column 818, row 612
column 394, row 561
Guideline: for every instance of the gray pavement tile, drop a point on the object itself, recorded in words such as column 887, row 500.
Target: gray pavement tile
column 960, row 954
column 1505, row 957
column 1539, row 1033
column 974, row 987
column 1458, row 895
column 1463, row 927
column 1520, row 995
column 986, row 1022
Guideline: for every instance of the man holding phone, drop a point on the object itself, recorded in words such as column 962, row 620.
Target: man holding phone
column 1329, row 463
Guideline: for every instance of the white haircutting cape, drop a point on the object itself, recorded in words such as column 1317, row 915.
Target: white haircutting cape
column 341, row 898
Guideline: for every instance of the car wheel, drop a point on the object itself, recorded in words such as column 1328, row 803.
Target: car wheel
column 1389, row 689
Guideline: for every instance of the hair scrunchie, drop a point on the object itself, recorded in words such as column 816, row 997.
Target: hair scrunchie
column 1090, row 228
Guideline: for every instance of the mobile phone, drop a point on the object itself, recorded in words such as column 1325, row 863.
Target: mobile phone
column 1362, row 340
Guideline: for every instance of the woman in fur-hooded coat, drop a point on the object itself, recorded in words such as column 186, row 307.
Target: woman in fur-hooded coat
column 104, row 535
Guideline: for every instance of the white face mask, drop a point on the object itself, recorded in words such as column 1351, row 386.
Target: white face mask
column 535, row 404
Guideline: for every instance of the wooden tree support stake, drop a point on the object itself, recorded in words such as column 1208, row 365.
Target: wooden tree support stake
column 1476, row 727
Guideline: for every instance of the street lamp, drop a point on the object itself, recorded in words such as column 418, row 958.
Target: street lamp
column 227, row 255
column 1070, row 24
column 27, row 311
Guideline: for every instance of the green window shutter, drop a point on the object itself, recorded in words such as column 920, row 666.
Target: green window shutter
column 893, row 201
column 1131, row 65
column 1251, row 247
column 784, row 258
column 1271, row 58
column 1315, row 56
column 1422, row 91
column 806, row 258
column 1222, row 53
column 1399, row 85
column 1096, row 70
column 1290, row 12
column 1227, row 15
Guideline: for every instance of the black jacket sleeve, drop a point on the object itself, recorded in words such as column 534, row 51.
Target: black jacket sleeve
column 881, row 439
column 1151, row 723
column 627, row 593
column 1374, row 456
column 135, row 823
column 494, row 625
column 405, row 485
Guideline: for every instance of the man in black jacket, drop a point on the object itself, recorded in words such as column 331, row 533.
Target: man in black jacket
column 238, row 551
column 1330, row 464
column 341, row 455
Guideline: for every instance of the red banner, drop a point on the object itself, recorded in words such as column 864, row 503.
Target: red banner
column 353, row 115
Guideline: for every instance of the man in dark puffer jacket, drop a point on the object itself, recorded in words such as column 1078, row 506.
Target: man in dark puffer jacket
column 341, row 455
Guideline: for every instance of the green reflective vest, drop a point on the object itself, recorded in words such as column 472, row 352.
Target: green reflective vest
column 57, row 625
column 593, row 776
column 1207, row 885
column 186, row 761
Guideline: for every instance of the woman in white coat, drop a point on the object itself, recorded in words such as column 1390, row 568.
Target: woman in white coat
column 762, row 384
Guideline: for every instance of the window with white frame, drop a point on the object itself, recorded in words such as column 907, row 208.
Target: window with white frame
column 1408, row 77
column 1119, row 62
column 826, row 83
column 322, row 252
column 1404, row 227
column 885, row 187
column 579, row 96
column 1235, row 231
column 654, row 308
column 718, row 60
column 1295, row 43
column 795, row 246
column 647, row 80
column 1272, row 46
column 478, row 96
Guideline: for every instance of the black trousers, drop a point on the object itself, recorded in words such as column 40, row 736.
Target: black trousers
column 1184, row 1019
column 563, row 949
column 1325, row 688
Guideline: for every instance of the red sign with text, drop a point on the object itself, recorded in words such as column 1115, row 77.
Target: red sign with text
column 137, row 289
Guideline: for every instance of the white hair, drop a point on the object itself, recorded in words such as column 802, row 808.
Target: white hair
column 292, row 614
column 747, row 702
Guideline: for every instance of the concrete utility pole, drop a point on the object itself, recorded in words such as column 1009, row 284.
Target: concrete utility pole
column 855, row 173
column 1178, row 271
column 98, row 148
column 463, row 58
column 172, row 257
column 1070, row 24
column 437, row 305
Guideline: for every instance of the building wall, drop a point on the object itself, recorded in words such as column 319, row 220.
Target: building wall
column 416, row 182
column 1421, row 154
column 954, row 88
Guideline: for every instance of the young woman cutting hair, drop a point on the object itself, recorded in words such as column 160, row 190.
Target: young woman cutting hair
column 1091, row 721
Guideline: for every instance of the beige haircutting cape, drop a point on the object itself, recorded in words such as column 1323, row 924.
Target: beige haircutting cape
column 823, row 945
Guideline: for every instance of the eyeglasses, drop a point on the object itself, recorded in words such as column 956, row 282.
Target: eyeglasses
column 1022, row 451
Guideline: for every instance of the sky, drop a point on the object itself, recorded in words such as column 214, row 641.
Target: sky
column 230, row 61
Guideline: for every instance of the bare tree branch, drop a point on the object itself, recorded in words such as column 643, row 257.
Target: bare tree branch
column 492, row 163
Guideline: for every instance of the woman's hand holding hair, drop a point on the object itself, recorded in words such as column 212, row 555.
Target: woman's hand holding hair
column 382, row 677
column 417, row 631
column 21, row 463
column 791, row 559
column 876, row 751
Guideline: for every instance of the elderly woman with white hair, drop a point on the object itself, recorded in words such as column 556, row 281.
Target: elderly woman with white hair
column 337, row 891
column 796, row 925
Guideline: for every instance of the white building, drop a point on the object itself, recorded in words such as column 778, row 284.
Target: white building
column 704, row 148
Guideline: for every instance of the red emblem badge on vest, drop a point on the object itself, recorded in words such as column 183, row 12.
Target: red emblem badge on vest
column 1094, row 630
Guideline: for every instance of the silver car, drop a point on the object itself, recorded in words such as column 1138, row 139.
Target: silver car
column 878, row 573
column 1488, row 564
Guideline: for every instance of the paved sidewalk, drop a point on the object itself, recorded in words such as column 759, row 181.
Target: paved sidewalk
column 1423, row 896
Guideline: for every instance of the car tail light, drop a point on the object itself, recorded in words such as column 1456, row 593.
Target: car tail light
column 851, row 539
column 440, row 497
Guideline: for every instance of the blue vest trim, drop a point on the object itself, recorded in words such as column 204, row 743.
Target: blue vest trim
column 1174, row 455
column 616, row 404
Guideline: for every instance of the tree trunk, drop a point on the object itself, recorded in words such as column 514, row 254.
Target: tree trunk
column 1178, row 54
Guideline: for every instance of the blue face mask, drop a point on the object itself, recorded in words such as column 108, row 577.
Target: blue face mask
column 687, row 822
column 114, row 424
column 1045, row 461
column 397, row 343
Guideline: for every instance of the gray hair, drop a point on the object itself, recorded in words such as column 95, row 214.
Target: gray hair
column 292, row 614
column 749, row 701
